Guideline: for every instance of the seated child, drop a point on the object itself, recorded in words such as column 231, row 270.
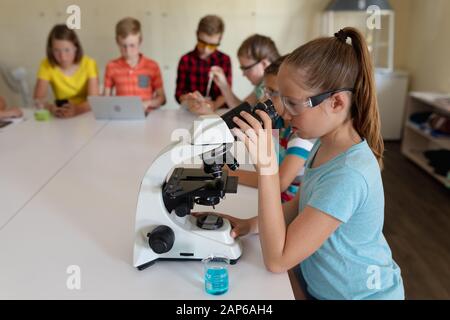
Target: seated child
column 133, row 74
column 332, row 233
column 194, row 68
column 255, row 54
column 72, row 75
column 293, row 150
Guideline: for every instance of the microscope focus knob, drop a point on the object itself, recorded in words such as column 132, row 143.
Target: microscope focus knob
column 161, row 239
column 182, row 210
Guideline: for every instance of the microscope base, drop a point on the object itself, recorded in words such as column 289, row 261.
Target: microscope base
column 150, row 263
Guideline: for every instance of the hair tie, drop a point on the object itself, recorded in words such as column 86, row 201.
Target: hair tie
column 342, row 36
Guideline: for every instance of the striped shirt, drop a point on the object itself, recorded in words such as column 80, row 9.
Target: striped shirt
column 292, row 145
column 142, row 80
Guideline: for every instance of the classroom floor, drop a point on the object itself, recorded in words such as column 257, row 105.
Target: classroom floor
column 417, row 227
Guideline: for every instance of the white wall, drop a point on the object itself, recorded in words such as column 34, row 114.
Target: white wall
column 427, row 52
column 168, row 28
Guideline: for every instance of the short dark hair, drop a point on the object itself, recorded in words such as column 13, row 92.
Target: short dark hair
column 211, row 25
column 274, row 67
column 62, row 32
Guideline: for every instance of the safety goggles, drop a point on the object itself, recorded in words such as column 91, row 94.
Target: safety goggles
column 269, row 93
column 206, row 45
column 295, row 106
column 246, row 68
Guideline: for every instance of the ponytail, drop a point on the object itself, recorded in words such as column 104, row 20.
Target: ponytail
column 330, row 64
column 365, row 114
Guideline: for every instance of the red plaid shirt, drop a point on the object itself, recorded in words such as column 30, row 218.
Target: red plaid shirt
column 193, row 73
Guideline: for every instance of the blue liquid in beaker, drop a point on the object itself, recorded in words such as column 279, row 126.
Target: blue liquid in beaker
column 216, row 280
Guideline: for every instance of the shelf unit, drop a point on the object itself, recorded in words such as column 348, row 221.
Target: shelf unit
column 415, row 140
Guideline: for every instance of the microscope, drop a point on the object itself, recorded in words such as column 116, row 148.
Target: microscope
column 164, row 226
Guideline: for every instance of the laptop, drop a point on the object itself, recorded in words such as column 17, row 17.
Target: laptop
column 117, row 108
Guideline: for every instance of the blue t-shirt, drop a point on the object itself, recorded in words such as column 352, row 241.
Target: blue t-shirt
column 355, row 262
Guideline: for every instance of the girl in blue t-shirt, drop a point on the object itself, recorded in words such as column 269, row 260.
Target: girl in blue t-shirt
column 292, row 150
column 333, row 232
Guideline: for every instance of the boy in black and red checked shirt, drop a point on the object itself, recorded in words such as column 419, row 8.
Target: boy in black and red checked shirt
column 194, row 68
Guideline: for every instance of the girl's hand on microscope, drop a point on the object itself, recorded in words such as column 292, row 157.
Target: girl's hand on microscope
column 242, row 227
column 258, row 141
column 239, row 227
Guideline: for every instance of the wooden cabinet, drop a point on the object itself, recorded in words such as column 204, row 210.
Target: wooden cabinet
column 416, row 140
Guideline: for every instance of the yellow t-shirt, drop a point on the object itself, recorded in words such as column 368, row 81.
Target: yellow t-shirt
column 73, row 88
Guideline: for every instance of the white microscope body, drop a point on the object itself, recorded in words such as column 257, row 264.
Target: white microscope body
column 175, row 234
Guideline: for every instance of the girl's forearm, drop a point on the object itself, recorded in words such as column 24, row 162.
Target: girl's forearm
column 245, row 178
column 82, row 107
column 271, row 221
column 254, row 229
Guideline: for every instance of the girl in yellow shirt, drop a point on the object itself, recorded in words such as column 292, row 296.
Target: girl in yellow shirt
column 72, row 75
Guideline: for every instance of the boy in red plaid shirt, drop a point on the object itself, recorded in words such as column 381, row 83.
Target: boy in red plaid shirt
column 195, row 90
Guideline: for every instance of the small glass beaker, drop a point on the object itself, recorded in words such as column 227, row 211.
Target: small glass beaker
column 216, row 274
column 40, row 112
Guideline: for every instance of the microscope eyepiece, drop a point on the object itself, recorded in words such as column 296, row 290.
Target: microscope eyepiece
column 266, row 106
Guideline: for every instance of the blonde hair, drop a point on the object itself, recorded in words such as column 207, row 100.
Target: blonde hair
column 331, row 63
column 128, row 26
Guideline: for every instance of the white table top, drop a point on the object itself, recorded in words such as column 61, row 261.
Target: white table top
column 32, row 152
column 85, row 214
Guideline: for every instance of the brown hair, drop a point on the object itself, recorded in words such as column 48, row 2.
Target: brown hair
column 128, row 26
column 274, row 67
column 62, row 32
column 331, row 63
column 211, row 25
column 259, row 47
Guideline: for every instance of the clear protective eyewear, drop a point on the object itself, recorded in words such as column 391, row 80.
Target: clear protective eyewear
column 295, row 106
column 269, row 93
column 246, row 68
